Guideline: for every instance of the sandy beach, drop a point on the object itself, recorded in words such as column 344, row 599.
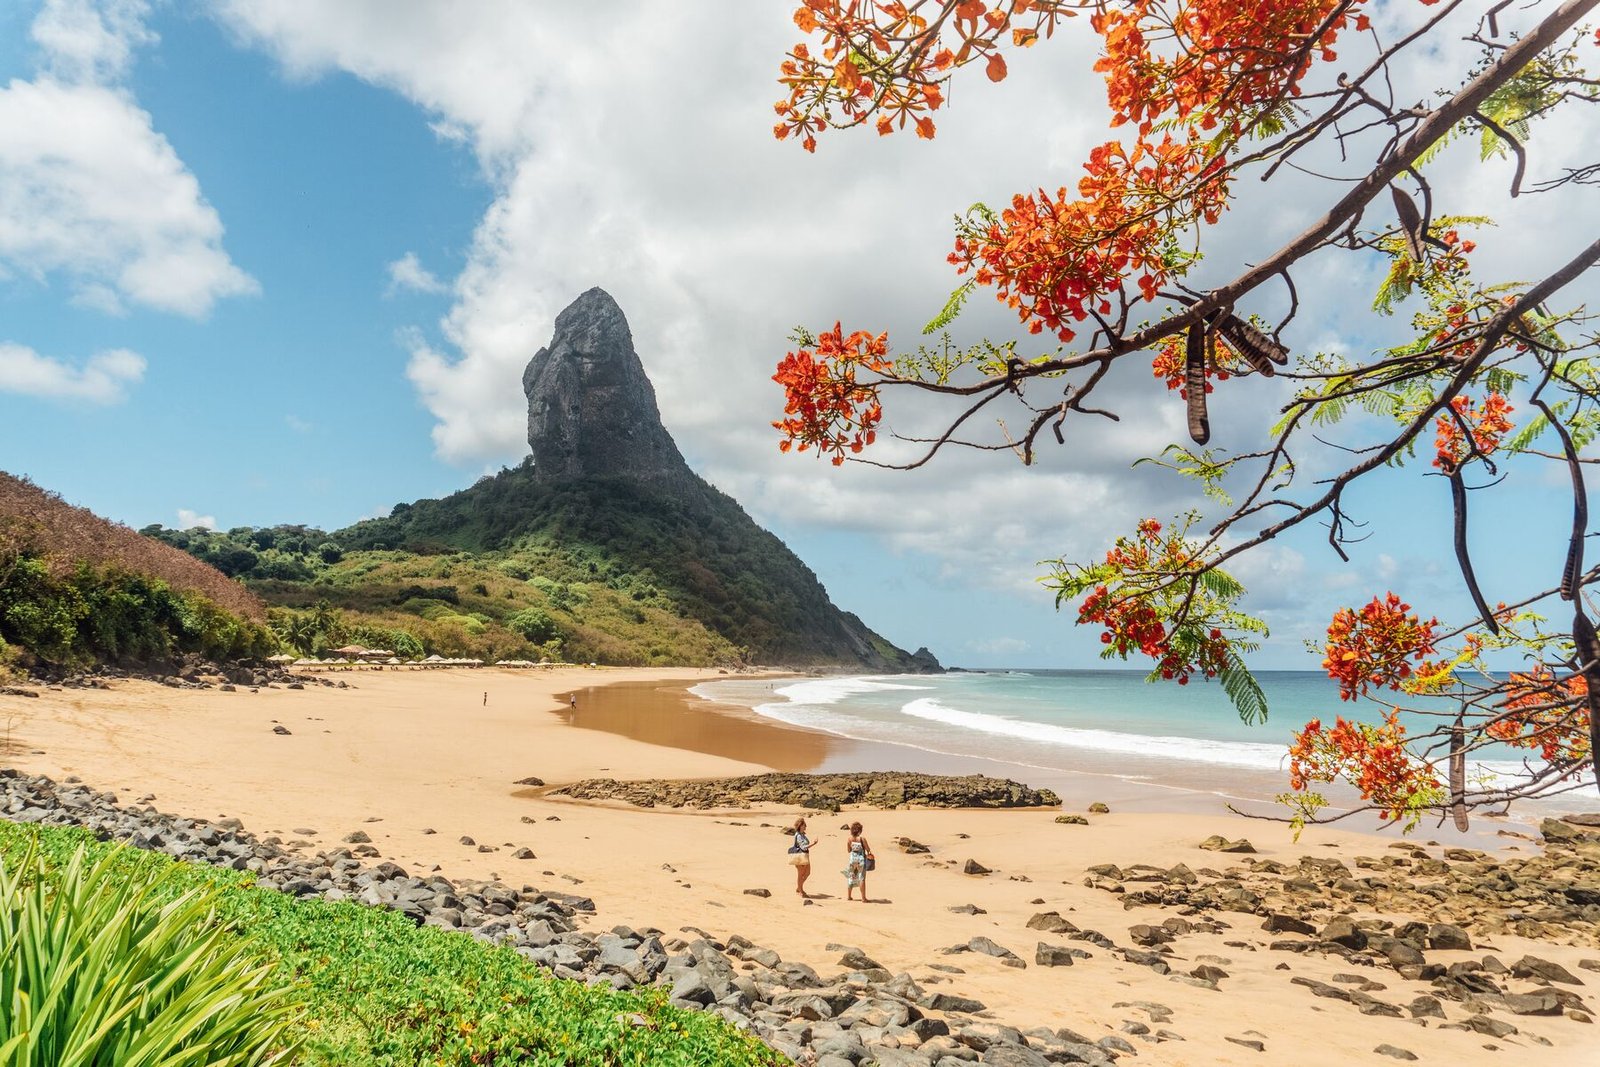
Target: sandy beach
column 421, row 760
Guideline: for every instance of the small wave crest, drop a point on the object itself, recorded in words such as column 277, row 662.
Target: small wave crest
column 823, row 691
column 1191, row 749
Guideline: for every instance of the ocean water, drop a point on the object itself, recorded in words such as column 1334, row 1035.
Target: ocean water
column 1078, row 730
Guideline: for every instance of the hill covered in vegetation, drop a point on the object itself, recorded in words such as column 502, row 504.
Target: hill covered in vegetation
column 77, row 589
column 607, row 570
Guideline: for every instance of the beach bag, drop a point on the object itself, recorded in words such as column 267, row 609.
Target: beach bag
column 871, row 863
column 799, row 858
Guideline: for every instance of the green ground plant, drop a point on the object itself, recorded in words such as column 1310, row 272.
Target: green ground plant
column 376, row 989
column 100, row 965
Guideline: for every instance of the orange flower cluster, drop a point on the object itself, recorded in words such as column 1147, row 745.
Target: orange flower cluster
column 1171, row 360
column 1371, row 758
column 1371, row 647
column 885, row 56
column 826, row 406
column 1543, row 713
column 1488, row 423
column 1226, row 57
column 1132, row 623
column 1056, row 259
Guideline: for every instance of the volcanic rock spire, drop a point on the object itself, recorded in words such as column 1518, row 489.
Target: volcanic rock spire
column 591, row 409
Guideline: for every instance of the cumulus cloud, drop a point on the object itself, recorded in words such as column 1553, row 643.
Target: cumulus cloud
column 188, row 520
column 90, row 191
column 408, row 273
column 103, row 379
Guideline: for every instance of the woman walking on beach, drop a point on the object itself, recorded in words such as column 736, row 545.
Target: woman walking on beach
column 859, row 863
column 800, row 856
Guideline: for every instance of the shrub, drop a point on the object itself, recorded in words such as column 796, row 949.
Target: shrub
column 534, row 624
column 101, row 967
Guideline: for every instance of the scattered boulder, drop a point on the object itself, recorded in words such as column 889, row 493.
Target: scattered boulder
column 974, row 867
column 1072, row 820
column 1051, row 922
column 1448, row 936
column 1544, row 970
column 1052, row 955
column 1097, row 808
column 1218, row 843
column 1395, row 1052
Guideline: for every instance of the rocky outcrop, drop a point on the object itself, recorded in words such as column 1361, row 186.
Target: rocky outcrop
column 827, row 792
column 591, row 408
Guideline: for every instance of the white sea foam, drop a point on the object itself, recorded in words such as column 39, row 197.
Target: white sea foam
column 1191, row 749
column 823, row 691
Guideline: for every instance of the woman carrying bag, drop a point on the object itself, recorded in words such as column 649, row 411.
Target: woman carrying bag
column 860, row 862
column 800, row 857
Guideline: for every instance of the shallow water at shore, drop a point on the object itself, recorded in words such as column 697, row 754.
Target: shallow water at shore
column 1089, row 736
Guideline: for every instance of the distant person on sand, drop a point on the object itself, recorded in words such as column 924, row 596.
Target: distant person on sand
column 860, row 862
column 800, row 856
column 485, row 699
column 574, row 701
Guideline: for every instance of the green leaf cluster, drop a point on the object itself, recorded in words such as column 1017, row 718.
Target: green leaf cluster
column 100, row 964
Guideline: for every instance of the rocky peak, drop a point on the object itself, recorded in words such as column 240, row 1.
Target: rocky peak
column 591, row 409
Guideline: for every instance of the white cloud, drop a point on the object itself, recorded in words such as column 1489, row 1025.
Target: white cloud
column 188, row 520
column 85, row 40
column 89, row 190
column 103, row 379
column 297, row 424
column 407, row 272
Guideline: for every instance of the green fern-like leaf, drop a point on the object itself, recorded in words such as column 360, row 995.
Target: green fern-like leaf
column 1245, row 692
column 1221, row 584
column 952, row 307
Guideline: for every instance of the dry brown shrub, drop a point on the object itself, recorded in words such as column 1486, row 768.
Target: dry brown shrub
column 37, row 519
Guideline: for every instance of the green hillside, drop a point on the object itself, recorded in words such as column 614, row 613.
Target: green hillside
column 77, row 590
column 608, row 570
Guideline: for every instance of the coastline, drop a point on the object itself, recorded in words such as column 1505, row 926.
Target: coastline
column 670, row 714
column 418, row 762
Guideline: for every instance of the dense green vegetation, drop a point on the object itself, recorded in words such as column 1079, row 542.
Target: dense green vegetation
column 374, row 989
column 76, row 590
column 606, row 570
column 63, row 616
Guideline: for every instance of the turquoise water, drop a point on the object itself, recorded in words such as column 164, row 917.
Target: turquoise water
column 1064, row 725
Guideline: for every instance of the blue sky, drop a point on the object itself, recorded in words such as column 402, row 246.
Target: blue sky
column 284, row 262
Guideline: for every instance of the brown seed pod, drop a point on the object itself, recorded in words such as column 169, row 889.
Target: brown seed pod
column 1194, row 384
column 1410, row 222
column 1253, row 346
